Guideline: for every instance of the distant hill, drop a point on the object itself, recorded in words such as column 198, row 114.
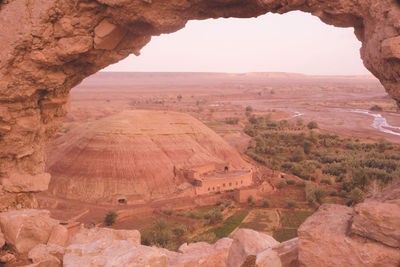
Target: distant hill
column 176, row 78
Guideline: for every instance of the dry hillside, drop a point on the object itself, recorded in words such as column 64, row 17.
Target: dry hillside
column 134, row 154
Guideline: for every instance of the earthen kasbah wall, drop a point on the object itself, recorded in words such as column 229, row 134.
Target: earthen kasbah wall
column 217, row 184
column 48, row 47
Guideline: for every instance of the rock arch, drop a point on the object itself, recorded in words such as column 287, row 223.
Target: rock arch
column 48, row 47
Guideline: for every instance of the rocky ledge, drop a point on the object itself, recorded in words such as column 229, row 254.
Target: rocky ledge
column 366, row 235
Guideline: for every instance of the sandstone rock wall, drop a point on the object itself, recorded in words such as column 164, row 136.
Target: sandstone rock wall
column 48, row 47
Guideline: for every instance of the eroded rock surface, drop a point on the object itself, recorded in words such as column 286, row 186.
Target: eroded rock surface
column 378, row 221
column 48, row 47
column 24, row 229
column 324, row 240
column 283, row 255
column 107, row 247
column 47, row 253
column 202, row 254
column 84, row 236
column 247, row 243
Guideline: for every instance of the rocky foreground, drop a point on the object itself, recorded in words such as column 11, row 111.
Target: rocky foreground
column 366, row 235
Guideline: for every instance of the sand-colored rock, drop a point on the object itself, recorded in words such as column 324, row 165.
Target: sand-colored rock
column 134, row 155
column 84, row 236
column 107, row 35
column 18, row 182
column 59, row 236
column 378, row 221
column 202, row 254
column 112, row 248
column 283, row 255
column 43, row 253
column 109, row 252
column 324, row 241
column 24, row 229
column 108, row 247
column 48, row 48
column 246, row 243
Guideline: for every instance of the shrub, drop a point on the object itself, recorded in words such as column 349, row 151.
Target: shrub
column 250, row 199
column 298, row 155
column 281, row 184
column 167, row 211
column 208, row 237
column 110, row 218
column 299, row 122
column 227, row 203
column 326, row 181
column 291, row 204
column 193, row 215
column 312, row 125
column 376, row 108
column 320, row 194
column 219, row 203
column 291, row 182
column 232, row 120
column 333, row 193
column 213, row 216
column 249, row 109
column 307, row 147
column 342, row 193
column 301, row 183
column 179, row 230
column 266, row 203
column 356, row 196
column 314, row 195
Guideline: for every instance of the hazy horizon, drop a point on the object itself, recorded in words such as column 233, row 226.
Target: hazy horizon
column 238, row 73
column 300, row 44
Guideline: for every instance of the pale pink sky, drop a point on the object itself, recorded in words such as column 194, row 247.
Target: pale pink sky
column 294, row 42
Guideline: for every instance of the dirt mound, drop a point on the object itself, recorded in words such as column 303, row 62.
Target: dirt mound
column 133, row 155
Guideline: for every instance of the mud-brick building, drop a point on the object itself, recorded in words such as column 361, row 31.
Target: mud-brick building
column 217, row 178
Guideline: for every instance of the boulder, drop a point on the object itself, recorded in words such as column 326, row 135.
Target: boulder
column 112, row 252
column 22, row 182
column 107, row 35
column 378, row 221
column 246, row 243
column 283, row 255
column 108, row 247
column 70, row 46
column 24, row 229
column 202, row 254
column 59, row 236
column 84, row 236
column 42, row 253
column 323, row 241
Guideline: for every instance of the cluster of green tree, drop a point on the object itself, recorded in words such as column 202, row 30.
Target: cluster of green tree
column 259, row 124
column 324, row 157
column 165, row 234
